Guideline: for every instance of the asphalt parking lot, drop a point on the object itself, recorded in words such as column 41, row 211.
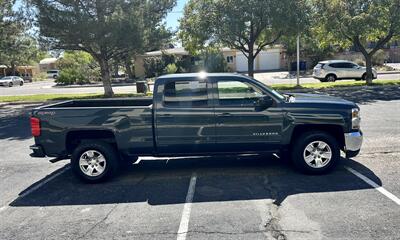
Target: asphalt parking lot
column 230, row 197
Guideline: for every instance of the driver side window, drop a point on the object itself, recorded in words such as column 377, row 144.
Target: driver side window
column 237, row 93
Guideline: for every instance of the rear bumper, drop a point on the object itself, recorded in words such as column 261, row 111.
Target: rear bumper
column 353, row 141
column 37, row 151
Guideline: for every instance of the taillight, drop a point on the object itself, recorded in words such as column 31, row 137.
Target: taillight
column 35, row 126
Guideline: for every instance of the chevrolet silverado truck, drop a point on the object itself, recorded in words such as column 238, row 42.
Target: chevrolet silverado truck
column 194, row 115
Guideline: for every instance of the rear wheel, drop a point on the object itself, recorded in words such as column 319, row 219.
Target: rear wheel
column 364, row 76
column 94, row 161
column 315, row 153
column 21, row 83
column 330, row 78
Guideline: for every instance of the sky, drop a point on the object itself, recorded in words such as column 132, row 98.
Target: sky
column 175, row 14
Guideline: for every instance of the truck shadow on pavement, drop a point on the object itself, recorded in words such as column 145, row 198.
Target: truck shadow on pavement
column 219, row 179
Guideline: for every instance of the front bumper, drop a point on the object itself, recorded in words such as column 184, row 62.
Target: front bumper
column 353, row 141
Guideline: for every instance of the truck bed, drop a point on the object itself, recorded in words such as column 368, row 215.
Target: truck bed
column 128, row 120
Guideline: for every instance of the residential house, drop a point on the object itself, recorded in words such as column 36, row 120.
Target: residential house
column 271, row 58
column 47, row 64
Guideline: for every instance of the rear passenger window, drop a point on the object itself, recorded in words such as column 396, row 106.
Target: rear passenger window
column 186, row 94
column 335, row 65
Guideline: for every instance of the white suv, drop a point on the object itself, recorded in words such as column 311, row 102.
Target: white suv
column 53, row 74
column 330, row 71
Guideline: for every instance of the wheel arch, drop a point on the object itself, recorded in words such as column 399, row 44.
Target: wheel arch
column 76, row 137
column 336, row 131
column 329, row 74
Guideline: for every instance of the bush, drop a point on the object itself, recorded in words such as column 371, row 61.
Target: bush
column 156, row 66
column 185, row 64
column 77, row 67
column 70, row 76
column 214, row 61
column 171, row 68
column 40, row 77
column 360, row 62
column 153, row 66
column 379, row 57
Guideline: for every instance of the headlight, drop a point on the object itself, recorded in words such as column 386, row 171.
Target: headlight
column 355, row 118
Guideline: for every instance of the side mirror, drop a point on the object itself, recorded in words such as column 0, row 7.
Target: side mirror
column 263, row 103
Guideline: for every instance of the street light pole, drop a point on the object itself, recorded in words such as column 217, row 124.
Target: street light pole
column 298, row 59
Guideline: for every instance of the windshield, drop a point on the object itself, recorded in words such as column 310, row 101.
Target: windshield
column 6, row 78
column 273, row 91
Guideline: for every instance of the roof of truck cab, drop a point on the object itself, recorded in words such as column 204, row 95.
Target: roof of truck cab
column 199, row 75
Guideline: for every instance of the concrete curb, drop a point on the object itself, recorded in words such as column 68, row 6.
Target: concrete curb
column 388, row 72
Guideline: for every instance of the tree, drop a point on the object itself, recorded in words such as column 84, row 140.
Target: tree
column 16, row 46
column 105, row 29
column 359, row 22
column 248, row 26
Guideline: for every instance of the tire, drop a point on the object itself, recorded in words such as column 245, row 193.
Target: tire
column 330, row 78
column 301, row 147
column 364, row 76
column 10, row 84
column 21, row 83
column 107, row 162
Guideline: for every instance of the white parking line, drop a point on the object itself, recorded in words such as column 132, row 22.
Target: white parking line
column 184, row 225
column 374, row 185
column 36, row 187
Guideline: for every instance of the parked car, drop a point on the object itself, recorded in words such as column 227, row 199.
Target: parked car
column 192, row 115
column 10, row 81
column 53, row 74
column 26, row 77
column 330, row 71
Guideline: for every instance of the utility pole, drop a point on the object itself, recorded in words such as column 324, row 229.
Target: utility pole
column 298, row 59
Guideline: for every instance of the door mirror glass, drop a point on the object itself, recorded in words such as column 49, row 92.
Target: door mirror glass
column 263, row 103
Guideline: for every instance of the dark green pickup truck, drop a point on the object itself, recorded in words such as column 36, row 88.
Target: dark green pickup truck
column 198, row 114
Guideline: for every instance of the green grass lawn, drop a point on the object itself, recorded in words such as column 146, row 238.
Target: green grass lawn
column 61, row 97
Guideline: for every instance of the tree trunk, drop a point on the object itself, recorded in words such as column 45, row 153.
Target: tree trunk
column 116, row 69
column 105, row 77
column 250, row 63
column 13, row 70
column 128, row 68
column 368, row 63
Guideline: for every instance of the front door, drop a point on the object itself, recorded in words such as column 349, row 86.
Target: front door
column 184, row 119
column 239, row 127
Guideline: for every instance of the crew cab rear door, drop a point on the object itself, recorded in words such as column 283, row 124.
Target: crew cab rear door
column 239, row 127
column 184, row 117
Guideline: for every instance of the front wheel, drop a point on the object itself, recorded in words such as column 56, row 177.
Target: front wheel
column 315, row 153
column 10, row 84
column 21, row 83
column 94, row 161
